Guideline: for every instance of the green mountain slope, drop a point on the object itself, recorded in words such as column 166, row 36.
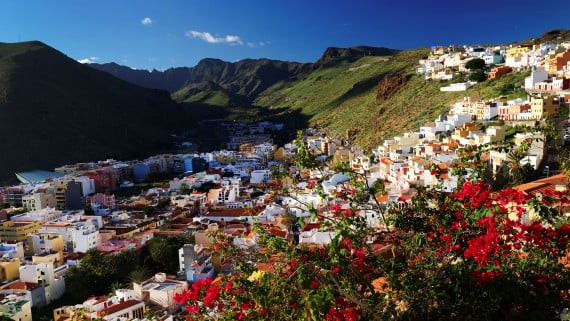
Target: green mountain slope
column 208, row 93
column 372, row 98
column 54, row 110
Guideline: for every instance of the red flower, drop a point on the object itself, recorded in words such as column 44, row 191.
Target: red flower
column 293, row 263
column 348, row 213
column 192, row 308
column 239, row 315
column 246, row 306
column 314, row 284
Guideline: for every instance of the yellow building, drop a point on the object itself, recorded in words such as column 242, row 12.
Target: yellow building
column 49, row 257
column 515, row 51
column 464, row 130
column 60, row 190
column 341, row 155
column 17, row 230
column 44, row 242
column 63, row 313
column 544, row 106
column 279, row 154
column 9, row 269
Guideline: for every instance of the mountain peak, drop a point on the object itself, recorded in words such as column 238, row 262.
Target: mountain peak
column 336, row 54
column 555, row 35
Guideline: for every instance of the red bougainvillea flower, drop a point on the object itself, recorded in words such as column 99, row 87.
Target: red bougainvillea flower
column 192, row 308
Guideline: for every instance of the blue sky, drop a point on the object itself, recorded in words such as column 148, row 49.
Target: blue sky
column 166, row 33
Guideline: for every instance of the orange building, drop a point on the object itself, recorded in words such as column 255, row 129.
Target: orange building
column 498, row 72
column 558, row 62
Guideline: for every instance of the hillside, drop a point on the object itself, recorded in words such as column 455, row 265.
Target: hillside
column 552, row 36
column 54, row 110
column 334, row 55
column 372, row 98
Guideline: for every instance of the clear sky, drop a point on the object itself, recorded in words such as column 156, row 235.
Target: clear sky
column 165, row 33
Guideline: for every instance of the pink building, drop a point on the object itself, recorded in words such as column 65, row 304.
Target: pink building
column 504, row 112
column 103, row 200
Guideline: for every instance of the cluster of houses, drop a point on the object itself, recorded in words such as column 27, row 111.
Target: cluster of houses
column 533, row 108
column 443, row 63
column 549, row 65
column 51, row 219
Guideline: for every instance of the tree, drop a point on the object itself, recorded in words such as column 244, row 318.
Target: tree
column 478, row 76
column 164, row 253
column 89, row 210
column 475, row 64
column 97, row 273
column 184, row 189
column 163, row 203
column 139, row 275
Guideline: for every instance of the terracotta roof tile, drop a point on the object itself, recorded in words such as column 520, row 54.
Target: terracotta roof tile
column 119, row 306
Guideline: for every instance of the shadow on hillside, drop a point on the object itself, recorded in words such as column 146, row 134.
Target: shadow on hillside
column 358, row 89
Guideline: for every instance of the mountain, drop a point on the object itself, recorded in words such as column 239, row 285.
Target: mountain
column 366, row 93
column 214, row 82
column 54, row 111
column 334, row 55
column 246, row 77
column 171, row 79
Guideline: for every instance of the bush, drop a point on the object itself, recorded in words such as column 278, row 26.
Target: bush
column 475, row 64
column 478, row 76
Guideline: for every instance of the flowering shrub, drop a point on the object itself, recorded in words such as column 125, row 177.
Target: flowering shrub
column 474, row 254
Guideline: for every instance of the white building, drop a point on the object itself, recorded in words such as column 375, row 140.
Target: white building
column 194, row 263
column 260, row 176
column 38, row 200
column 80, row 232
column 43, row 215
column 52, row 279
column 315, row 236
column 330, row 186
column 462, row 86
column 160, row 290
column 85, row 238
column 535, row 76
column 87, row 185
